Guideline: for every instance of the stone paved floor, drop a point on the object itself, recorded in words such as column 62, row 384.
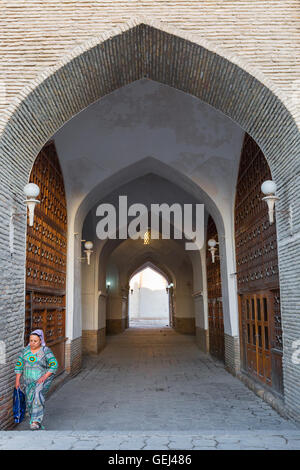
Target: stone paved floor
column 158, row 440
column 154, row 387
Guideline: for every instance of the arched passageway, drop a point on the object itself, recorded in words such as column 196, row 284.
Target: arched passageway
column 208, row 77
column 106, row 280
column 148, row 300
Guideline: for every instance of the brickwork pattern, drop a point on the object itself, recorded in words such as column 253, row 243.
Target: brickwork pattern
column 93, row 341
column 73, row 356
column 263, row 34
column 232, row 353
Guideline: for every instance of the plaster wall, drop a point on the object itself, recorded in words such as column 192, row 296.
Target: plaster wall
column 151, row 304
column 148, row 298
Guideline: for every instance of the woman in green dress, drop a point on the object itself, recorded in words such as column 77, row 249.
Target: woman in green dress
column 38, row 365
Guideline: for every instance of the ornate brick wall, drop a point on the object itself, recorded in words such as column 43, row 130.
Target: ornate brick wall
column 232, row 354
column 261, row 33
column 73, row 356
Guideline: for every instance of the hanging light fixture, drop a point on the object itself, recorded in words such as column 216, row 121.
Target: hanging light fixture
column 147, row 237
column 269, row 188
column 31, row 191
column 88, row 251
column 170, row 287
column 212, row 248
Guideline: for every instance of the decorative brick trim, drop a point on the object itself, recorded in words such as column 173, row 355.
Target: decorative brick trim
column 232, row 354
column 211, row 44
column 93, row 341
column 73, row 356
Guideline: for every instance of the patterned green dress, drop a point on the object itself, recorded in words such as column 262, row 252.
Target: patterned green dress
column 33, row 366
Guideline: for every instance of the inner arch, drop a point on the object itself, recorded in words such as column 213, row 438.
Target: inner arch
column 148, row 303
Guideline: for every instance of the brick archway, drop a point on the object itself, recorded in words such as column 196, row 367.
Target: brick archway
column 151, row 50
column 162, row 54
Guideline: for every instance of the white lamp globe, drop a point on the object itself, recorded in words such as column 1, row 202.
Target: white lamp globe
column 31, row 190
column 268, row 187
column 211, row 243
column 88, row 245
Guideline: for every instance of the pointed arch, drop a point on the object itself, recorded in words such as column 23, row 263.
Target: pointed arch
column 164, row 272
column 153, row 50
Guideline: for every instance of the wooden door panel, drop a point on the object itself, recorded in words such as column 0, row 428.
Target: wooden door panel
column 215, row 306
column 257, row 272
column 46, row 255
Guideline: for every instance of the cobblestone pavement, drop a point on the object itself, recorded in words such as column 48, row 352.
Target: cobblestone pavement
column 104, row 440
column 153, row 388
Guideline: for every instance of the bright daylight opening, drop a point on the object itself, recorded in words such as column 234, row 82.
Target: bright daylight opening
column 148, row 299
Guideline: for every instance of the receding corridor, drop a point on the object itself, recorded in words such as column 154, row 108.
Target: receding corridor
column 154, row 379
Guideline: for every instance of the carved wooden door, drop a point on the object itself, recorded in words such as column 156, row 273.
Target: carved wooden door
column 46, row 255
column 214, row 293
column 255, row 316
column 257, row 272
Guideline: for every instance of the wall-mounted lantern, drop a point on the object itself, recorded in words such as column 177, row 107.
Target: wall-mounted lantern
column 212, row 248
column 31, row 191
column 88, row 250
column 269, row 188
column 107, row 286
column 169, row 287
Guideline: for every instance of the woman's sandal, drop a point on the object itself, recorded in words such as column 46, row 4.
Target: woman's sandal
column 35, row 426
